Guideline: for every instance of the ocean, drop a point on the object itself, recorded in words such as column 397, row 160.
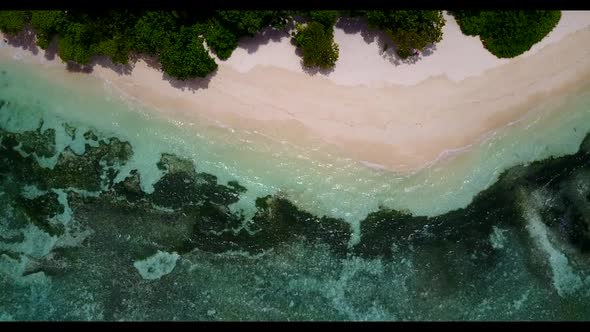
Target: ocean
column 111, row 211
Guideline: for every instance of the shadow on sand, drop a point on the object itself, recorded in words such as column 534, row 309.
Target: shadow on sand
column 26, row 40
column 192, row 85
column 251, row 44
column 388, row 48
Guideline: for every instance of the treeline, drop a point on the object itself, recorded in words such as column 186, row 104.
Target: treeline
column 508, row 33
column 178, row 37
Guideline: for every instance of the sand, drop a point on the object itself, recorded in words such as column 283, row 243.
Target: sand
column 372, row 107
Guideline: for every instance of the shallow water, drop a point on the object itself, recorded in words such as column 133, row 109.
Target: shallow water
column 290, row 278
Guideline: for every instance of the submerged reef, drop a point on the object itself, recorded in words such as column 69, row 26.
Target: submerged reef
column 77, row 245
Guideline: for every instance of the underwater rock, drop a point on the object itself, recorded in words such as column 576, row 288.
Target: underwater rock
column 137, row 238
column 130, row 188
column 182, row 186
column 278, row 221
column 173, row 164
column 90, row 136
column 70, row 130
column 40, row 209
column 40, row 143
column 85, row 171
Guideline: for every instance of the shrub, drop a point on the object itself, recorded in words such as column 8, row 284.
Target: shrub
column 47, row 23
column 186, row 57
column 221, row 40
column 326, row 17
column 317, row 44
column 409, row 29
column 509, row 33
column 13, row 21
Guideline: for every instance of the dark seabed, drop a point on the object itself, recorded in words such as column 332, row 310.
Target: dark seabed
column 81, row 238
column 75, row 245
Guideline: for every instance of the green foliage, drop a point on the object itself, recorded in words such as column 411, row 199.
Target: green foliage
column 152, row 32
column 115, row 34
column 113, row 48
column 509, row 33
column 186, row 57
column 221, row 40
column 13, row 21
column 409, row 29
column 317, row 44
column 242, row 22
column 81, row 35
column 227, row 26
column 326, row 17
column 73, row 46
column 47, row 24
column 248, row 22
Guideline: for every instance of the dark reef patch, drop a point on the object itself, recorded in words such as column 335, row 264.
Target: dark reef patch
column 203, row 204
column 70, row 130
column 117, row 224
column 41, row 209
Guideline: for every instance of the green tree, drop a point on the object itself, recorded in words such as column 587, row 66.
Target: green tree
column 73, row 45
column 47, row 23
column 13, row 21
column 246, row 22
column 409, row 29
column 508, row 33
column 249, row 22
column 317, row 44
column 220, row 39
column 326, row 17
column 186, row 57
column 153, row 31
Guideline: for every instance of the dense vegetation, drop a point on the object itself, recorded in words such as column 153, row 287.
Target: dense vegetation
column 12, row 21
column 509, row 33
column 176, row 37
column 180, row 38
column 410, row 30
column 317, row 44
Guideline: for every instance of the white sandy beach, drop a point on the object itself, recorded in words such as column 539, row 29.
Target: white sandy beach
column 402, row 116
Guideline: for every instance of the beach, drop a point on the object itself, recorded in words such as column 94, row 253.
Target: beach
column 452, row 186
column 402, row 116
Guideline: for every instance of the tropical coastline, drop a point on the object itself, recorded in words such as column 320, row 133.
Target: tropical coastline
column 452, row 184
column 391, row 119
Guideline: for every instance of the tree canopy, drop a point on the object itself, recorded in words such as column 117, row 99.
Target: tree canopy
column 185, row 57
column 326, row 17
column 221, row 39
column 248, row 22
column 13, row 21
column 317, row 44
column 409, row 29
column 507, row 33
column 178, row 38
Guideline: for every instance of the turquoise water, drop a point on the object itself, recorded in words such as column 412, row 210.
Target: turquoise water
column 316, row 180
column 293, row 279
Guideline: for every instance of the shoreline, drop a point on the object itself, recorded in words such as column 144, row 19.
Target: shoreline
column 398, row 127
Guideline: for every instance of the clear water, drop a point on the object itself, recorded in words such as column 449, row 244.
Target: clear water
column 306, row 282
